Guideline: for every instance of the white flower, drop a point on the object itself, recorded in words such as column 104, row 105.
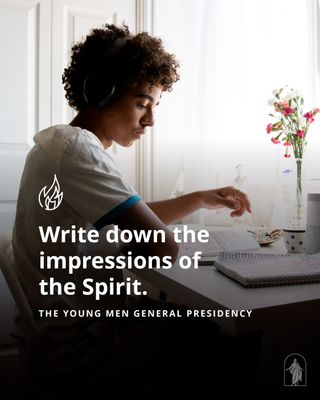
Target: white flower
column 302, row 123
column 298, row 93
column 288, row 97
column 287, row 94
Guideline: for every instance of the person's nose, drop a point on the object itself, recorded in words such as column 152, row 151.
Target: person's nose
column 148, row 119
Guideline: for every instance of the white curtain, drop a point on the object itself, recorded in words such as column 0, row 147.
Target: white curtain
column 236, row 52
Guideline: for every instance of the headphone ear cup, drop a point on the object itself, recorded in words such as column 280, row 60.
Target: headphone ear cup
column 97, row 88
column 98, row 91
column 110, row 94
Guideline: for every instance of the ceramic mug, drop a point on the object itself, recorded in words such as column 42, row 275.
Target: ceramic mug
column 294, row 240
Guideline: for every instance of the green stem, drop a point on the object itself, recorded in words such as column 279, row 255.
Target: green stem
column 298, row 216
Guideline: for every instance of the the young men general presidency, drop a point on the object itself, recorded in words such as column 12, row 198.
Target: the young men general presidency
column 114, row 81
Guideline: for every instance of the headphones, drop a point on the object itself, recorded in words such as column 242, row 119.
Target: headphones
column 99, row 88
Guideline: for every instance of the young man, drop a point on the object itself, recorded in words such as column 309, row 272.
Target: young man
column 114, row 81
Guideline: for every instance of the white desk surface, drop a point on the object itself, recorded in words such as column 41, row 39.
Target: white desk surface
column 206, row 288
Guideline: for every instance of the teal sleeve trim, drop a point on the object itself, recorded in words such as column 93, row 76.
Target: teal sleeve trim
column 111, row 215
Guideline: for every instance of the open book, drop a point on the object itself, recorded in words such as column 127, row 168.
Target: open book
column 232, row 239
column 262, row 269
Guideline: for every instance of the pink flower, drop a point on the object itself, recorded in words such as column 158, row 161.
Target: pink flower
column 309, row 117
column 287, row 111
column 269, row 128
column 281, row 105
column 291, row 124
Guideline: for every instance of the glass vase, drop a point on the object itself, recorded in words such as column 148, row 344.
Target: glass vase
column 298, row 215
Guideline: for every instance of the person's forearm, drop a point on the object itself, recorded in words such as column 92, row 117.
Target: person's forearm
column 173, row 210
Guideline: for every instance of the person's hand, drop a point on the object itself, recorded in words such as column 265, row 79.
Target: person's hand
column 229, row 197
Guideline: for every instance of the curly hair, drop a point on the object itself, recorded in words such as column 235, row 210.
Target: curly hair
column 142, row 59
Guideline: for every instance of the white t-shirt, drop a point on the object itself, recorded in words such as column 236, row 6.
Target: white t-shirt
column 94, row 192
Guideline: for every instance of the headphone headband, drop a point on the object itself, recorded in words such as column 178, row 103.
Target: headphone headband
column 118, row 44
column 92, row 82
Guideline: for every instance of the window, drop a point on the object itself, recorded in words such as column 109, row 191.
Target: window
column 233, row 54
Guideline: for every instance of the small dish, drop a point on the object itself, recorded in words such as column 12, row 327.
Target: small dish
column 266, row 236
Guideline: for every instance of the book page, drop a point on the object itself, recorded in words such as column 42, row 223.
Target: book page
column 221, row 240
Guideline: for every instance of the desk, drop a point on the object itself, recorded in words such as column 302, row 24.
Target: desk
column 284, row 320
column 206, row 288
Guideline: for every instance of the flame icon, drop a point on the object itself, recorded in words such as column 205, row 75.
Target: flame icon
column 51, row 199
